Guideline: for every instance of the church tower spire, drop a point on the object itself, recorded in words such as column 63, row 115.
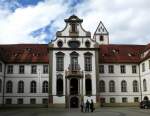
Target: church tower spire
column 101, row 34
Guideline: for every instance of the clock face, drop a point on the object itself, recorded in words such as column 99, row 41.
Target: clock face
column 74, row 44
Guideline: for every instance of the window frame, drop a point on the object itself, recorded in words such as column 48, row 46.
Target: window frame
column 45, row 69
column 9, row 87
column 21, row 87
column 33, row 69
column 111, row 86
column 33, row 87
column 111, row 69
column 122, row 69
column 45, row 87
column 135, row 86
column 102, row 86
column 134, row 69
column 123, row 86
column 101, row 69
column 21, row 69
column 10, row 69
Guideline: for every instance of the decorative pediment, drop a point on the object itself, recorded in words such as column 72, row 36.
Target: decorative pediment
column 101, row 29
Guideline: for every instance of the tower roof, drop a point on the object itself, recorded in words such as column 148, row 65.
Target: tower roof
column 101, row 29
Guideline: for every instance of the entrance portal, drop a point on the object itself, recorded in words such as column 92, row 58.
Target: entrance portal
column 73, row 86
column 74, row 102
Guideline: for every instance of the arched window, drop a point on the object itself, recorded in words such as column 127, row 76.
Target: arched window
column 111, row 86
column 9, row 87
column 102, row 86
column 20, row 87
column 135, row 86
column 33, row 87
column 123, row 86
column 59, row 85
column 144, row 85
column 45, row 87
column 88, row 86
column 0, row 85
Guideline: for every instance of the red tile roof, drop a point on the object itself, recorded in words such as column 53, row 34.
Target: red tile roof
column 38, row 53
column 114, row 53
column 24, row 53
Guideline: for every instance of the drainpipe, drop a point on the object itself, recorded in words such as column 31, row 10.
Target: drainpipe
column 140, row 82
column 4, row 83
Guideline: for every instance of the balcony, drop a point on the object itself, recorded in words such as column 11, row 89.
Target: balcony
column 74, row 70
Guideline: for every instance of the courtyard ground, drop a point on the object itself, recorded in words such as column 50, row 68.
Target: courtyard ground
column 107, row 111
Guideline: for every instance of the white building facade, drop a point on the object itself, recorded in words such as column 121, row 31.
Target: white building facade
column 72, row 68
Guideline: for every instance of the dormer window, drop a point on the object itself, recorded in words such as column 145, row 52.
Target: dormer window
column 101, row 38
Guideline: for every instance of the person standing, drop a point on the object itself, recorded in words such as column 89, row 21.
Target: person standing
column 92, row 106
column 87, row 106
column 82, row 106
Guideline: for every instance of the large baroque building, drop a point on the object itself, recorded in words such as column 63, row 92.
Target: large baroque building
column 74, row 67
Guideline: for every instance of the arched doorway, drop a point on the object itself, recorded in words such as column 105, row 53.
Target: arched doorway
column 74, row 86
column 88, row 86
column 146, row 98
column 74, row 102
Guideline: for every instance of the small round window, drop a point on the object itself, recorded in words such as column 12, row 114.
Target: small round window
column 59, row 44
column 87, row 44
column 74, row 44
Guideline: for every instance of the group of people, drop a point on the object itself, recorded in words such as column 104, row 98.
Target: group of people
column 87, row 107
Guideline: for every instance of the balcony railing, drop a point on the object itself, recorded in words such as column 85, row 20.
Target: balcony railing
column 74, row 93
column 74, row 70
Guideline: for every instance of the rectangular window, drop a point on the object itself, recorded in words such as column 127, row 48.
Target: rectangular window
column 45, row 101
column 10, row 69
column 143, row 67
column 20, row 101
column 45, row 69
column 32, row 101
column 88, row 63
column 124, row 100
column 136, row 99
column 112, row 100
column 8, row 101
column 122, row 69
column 33, row 69
column 111, row 69
column 60, row 63
column 101, row 69
column 134, row 69
column 1, row 67
column 21, row 69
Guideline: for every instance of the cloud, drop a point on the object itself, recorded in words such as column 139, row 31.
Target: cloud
column 128, row 22
column 16, row 26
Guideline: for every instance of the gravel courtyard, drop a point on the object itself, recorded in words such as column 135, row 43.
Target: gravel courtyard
column 75, row 112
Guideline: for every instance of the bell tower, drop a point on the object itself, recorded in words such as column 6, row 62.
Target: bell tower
column 101, row 35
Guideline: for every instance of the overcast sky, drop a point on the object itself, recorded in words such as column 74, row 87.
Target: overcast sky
column 36, row 21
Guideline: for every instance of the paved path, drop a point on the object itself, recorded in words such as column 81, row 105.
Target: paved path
column 75, row 112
